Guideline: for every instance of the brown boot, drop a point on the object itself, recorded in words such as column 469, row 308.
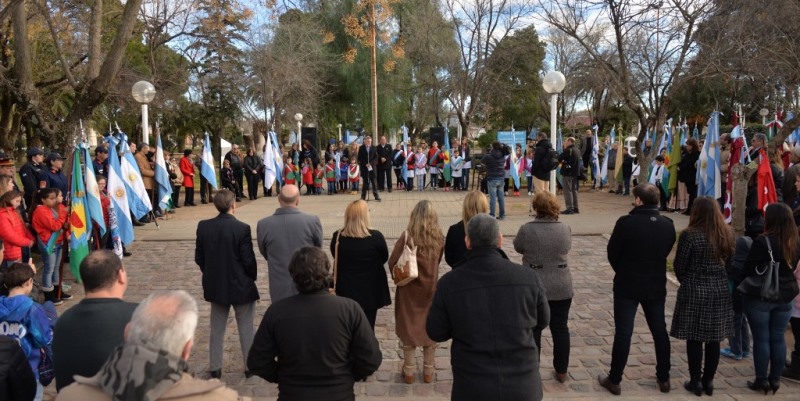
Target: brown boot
column 428, row 363
column 409, row 364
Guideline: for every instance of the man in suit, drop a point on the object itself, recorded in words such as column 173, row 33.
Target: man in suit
column 367, row 162
column 384, row 165
column 283, row 233
column 224, row 252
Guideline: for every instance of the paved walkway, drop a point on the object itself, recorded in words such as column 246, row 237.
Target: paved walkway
column 163, row 259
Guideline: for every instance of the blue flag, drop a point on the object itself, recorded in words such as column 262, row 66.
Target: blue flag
column 708, row 173
column 93, row 205
column 120, row 206
column 137, row 196
column 207, row 167
column 513, row 162
column 162, row 176
column 405, row 151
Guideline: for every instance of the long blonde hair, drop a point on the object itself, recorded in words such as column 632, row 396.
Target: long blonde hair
column 356, row 220
column 4, row 181
column 474, row 203
column 423, row 228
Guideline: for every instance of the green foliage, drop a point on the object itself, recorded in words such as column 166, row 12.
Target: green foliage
column 485, row 140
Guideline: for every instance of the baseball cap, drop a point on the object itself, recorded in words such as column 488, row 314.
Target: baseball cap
column 54, row 156
column 34, row 152
column 100, row 149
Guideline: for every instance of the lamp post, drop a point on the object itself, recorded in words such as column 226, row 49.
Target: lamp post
column 553, row 83
column 340, row 131
column 763, row 113
column 299, row 118
column 144, row 92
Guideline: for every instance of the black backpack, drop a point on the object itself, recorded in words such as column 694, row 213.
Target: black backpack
column 550, row 160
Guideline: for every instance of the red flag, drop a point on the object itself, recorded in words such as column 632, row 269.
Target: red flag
column 736, row 151
column 765, row 186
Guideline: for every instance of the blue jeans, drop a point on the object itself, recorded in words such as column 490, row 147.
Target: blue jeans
column 421, row 182
column 495, row 187
column 767, row 323
column 331, row 187
column 465, row 181
column 50, row 269
column 624, row 318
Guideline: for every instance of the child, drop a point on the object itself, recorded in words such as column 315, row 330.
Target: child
column 49, row 221
column 627, row 173
column 354, row 174
column 308, row 176
column 319, row 175
column 410, row 170
column 343, row 168
column 529, row 170
column 420, row 167
column 455, row 167
column 12, row 229
column 289, row 172
column 655, row 179
column 330, row 176
column 28, row 322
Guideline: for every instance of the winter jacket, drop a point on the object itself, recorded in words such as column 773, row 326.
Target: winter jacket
column 224, row 252
column 46, row 223
column 26, row 321
column 494, row 162
column 17, row 381
column 148, row 175
column 14, row 233
column 187, row 168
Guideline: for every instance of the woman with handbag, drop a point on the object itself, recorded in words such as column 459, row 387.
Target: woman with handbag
column 769, row 286
column 703, row 311
column 359, row 254
column 421, row 245
column 544, row 244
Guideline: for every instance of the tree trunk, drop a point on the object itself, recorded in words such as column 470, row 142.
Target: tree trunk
column 374, row 71
column 95, row 36
column 740, row 174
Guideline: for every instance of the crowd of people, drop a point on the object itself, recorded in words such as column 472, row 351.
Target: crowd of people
column 106, row 348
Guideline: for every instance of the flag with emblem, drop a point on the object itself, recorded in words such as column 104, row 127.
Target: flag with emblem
column 207, row 167
column 596, row 157
column 708, row 175
column 80, row 225
column 119, row 209
column 446, row 154
column 512, row 160
column 405, row 151
column 93, row 205
column 162, row 176
column 765, row 185
column 138, row 200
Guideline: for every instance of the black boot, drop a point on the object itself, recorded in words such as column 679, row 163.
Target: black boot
column 64, row 295
column 51, row 296
column 793, row 371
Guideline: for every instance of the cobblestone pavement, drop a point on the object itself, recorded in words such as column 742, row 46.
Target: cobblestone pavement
column 164, row 259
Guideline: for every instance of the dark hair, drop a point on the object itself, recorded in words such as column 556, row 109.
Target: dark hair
column 660, row 158
column 310, row 269
column 17, row 274
column 5, row 200
column 693, row 143
column 647, row 193
column 223, row 200
column 99, row 270
column 778, row 222
column 541, row 136
column 708, row 219
column 497, row 145
column 45, row 193
column 187, row 152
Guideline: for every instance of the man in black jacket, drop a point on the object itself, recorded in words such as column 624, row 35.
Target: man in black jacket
column 637, row 251
column 494, row 162
column 314, row 345
column 540, row 169
column 384, row 165
column 570, row 171
column 29, row 174
column 16, row 377
column 224, row 252
column 367, row 163
column 490, row 307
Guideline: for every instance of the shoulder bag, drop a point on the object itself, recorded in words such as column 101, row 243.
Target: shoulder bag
column 332, row 290
column 405, row 270
column 763, row 284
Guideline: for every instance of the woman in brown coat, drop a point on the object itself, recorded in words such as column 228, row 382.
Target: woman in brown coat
column 413, row 300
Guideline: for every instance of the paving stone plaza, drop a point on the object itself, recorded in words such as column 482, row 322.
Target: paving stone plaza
column 163, row 258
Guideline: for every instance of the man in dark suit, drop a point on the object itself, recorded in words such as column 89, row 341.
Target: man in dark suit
column 367, row 162
column 384, row 165
column 224, row 252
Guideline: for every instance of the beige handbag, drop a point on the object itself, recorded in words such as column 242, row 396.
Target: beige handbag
column 405, row 270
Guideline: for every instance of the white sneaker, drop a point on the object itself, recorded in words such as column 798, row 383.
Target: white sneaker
column 530, row 193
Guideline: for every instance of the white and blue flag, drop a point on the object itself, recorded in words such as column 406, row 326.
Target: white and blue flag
column 162, row 176
column 207, row 167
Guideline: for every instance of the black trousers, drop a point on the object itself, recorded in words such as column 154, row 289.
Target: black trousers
column 691, row 189
column 252, row 185
column 795, row 323
column 559, row 315
column 205, row 190
column 368, row 177
column 694, row 353
column 189, row 198
column 239, row 174
column 176, row 194
column 624, row 318
column 385, row 178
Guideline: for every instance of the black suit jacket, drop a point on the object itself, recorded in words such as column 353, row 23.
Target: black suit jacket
column 224, row 252
column 364, row 158
column 385, row 151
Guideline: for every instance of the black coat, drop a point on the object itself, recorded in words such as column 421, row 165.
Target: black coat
column 759, row 255
column 16, row 377
column 385, row 152
column 224, row 252
column 323, row 344
column 494, row 163
column 454, row 245
column 687, row 167
column 491, row 307
column 637, row 251
column 539, row 158
column 361, row 275
column 364, row 158
column 569, row 162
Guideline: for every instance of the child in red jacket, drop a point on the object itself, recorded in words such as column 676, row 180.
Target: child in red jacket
column 12, row 229
column 50, row 221
column 330, row 176
column 289, row 173
column 308, row 176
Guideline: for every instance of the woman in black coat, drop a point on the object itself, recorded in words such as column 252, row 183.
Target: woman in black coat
column 687, row 171
column 454, row 245
column 359, row 255
column 252, row 165
column 309, row 151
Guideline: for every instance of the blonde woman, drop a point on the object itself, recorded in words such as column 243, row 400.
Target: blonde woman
column 362, row 253
column 414, row 299
column 454, row 247
column 6, row 184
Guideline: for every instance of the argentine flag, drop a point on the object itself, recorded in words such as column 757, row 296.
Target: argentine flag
column 120, row 206
column 405, row 151
column 270, row 173
column 93, row 205
column 162, row 176
column 708, row 175
column 137, row 196
column 207, row 168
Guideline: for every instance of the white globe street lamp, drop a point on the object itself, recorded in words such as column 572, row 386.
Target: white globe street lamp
column 340, row 131
column 299, row 118
column 144, row 92
column 553, row 83
column 763, row 112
